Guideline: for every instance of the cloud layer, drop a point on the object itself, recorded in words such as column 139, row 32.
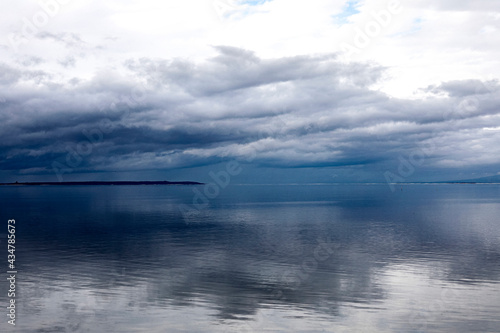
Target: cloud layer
column 302, row 111
column 158, row 93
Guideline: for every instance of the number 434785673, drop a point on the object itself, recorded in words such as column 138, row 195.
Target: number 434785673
column 11, row 243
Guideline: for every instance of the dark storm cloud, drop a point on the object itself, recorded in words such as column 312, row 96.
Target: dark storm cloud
column 285, row 112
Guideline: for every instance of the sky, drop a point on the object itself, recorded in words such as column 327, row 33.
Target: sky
column 292, row 91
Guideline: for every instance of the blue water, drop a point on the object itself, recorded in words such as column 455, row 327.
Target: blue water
column 257, row 258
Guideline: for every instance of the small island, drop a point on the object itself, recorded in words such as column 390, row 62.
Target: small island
column 163, row 182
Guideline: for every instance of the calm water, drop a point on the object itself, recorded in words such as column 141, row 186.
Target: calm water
column 258, row 259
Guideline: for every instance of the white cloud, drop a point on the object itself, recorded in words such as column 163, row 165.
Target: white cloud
column 425, row 43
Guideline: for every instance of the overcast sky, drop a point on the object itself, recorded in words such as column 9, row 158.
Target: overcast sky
column 295, row 91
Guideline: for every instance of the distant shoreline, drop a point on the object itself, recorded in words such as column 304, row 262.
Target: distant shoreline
column 102, row 183
column 164, row 182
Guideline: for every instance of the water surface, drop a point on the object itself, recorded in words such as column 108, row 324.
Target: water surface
column 258, row 258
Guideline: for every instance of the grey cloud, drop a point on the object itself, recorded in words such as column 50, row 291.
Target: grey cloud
column 69, row 61
column 69, row 40
column 31, row 61
column 11, row 75
column 235, row 69
column 286, row 112
column 464, row 5
column 8, row 75
column 37, row 76
column 464, row 88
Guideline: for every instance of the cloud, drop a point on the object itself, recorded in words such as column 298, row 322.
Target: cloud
column 8, row 75
column 463, row 88
column 69, row 40
column 268, row 84
column 303, row 111
column 463, row 5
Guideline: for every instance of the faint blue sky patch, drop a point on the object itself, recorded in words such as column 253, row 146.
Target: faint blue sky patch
column 417, row 24
column 349, row 10
column 254, row 2
column 236, row 9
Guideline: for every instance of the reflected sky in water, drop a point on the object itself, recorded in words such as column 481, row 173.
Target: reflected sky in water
column 321, row 258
